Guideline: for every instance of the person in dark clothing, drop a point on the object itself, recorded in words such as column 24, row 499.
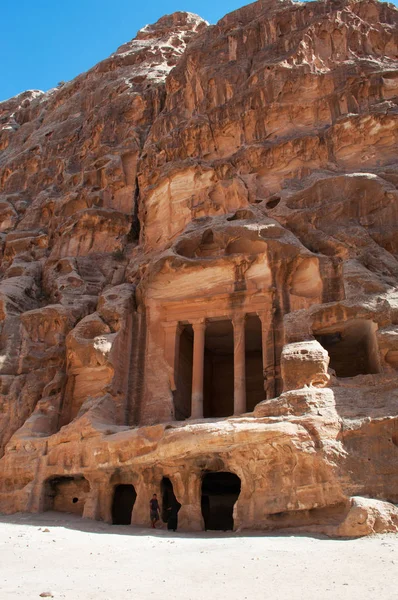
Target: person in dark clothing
column 154, row 510
column 172, row 515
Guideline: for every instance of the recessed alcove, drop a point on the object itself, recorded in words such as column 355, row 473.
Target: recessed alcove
column 352, row 348
column 242, row 215
column 66, row 494
column 209, row 244
column 245, row 245
column 273, row 202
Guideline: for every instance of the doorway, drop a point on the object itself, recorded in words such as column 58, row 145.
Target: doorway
column 220, row 491
column 124, row 498
column 218, row 389
column 183, row 393
column 254, row 362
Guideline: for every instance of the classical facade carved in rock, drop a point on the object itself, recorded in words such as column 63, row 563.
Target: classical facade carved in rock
column 199, row 273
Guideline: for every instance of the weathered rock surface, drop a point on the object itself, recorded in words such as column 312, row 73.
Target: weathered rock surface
column 204, row 226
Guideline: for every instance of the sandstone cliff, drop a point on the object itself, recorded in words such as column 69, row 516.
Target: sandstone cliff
column 204, row 226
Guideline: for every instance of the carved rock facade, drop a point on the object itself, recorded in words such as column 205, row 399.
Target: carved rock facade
column 199, row 271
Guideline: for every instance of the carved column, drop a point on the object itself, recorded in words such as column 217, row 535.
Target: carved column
column 187, row 488
column 171, row 350
column 199, row 328
column 239, row 366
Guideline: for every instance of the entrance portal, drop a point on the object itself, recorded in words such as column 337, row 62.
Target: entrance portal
column 123, row 503
column 220, row 491
column 170, row 504
column 218, row 392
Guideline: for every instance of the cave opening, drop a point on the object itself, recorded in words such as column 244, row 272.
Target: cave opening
column 220, row 491
column 183, row 392
column 254, row 362
column 218, row 388
column 352, row 348
column 124, row 497
column 170, row 504
column 66, row 494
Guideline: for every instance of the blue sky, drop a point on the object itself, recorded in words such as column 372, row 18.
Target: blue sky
column 43, row 42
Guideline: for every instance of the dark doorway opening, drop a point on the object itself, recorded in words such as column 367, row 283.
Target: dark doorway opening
column 218, row 392
column 170, row 504
column 66, row 494
column 254, row 362
column 123, row 503
column 182, row 395
column 352, row 349
column 220, row 491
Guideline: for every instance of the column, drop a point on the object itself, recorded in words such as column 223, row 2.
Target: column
column 239, row 366
column 199, row 328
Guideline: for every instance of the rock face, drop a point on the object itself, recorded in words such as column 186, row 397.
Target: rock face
column 199, row 272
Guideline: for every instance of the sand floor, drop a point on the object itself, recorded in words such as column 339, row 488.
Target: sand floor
column 84, row 560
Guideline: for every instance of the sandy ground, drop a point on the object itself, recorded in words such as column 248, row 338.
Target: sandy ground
column 84, row 560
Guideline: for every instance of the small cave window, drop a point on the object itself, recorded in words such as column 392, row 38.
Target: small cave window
column 273, row 203
column 241, row 215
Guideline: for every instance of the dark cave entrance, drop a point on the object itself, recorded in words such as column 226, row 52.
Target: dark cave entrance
column 218, row 389
column 66, row 494
column 352, row 348
column 254, row 362
column 170, row 504
column 220, row 491
column 183, row 393
column 124, row 497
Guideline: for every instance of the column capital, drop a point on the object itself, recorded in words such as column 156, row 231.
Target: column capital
column 238, row 320
column 198, row 324
column 170, row 324
column 265, row 316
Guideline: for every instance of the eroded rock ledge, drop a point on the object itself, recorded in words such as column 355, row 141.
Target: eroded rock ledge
column 198, row 278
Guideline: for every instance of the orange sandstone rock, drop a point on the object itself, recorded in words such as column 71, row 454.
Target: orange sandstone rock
column 199, row 265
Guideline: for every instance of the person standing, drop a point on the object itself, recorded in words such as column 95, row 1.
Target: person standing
column 154, row 510
column 172, row 521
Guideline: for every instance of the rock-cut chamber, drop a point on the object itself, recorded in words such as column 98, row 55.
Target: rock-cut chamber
column 66, row 494
column 124, row 497
column 220, row 491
